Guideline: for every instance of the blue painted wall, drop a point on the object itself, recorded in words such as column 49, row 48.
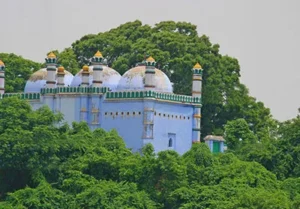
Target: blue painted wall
column 170, row 120
column 127, row 118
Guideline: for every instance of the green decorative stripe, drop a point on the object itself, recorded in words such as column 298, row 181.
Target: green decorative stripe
column 198, row 72
column 97, row 59
column 150, row 72
column 95, row 81
column 1, row 76
column 196, row 129
column 154, row 95
column 29, row 96
column 72, row 90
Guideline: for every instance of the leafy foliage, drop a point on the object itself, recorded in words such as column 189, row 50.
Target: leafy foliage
column 17, row 71
column 48, row 166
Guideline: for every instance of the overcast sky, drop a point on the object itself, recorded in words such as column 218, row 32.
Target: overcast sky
column 264, row 35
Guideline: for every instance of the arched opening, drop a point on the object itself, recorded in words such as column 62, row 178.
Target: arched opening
column 170, row 142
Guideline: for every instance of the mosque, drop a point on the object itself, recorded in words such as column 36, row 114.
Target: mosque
column 140, row 104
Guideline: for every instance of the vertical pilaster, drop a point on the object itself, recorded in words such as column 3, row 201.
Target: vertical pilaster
column 51, row 70
column 84, row 108
column 148, row 121
column 97, row 62
column 196, row 92
column 150, row 74
column 85, row 76
column 2, row 78
column 60, row 76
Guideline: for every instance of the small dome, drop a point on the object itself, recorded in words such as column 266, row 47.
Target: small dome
column 85, row 68
column 134, row 78
column 110, row 78
column 51, row 55
column 98, row 54
column 60, row 69
column 150, row 59
column 37, row 80
column 197, row 66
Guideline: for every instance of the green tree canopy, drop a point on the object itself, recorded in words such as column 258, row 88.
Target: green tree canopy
column 17, row 71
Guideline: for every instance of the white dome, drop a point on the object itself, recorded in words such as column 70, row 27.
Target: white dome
column 134, row 79
column 110, row 78
column 37, row 80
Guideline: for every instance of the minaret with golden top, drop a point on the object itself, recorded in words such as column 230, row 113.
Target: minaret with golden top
column 51, row 70
column 85, row 76
column 97, row 63
column 2, row 78
column 60, row 76
column 197, row 80
column 150, row 74
column 196, row 92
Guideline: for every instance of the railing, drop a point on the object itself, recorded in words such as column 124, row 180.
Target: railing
column 152, row 94
column 74, row 90
column 30, row 96
column 109, row 95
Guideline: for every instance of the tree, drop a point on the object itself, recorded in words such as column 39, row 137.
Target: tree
column 238, row 134
column 17, row 71
column 28, row 143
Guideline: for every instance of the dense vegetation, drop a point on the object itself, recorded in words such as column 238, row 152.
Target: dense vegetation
column 45, row 166
column 17, row 71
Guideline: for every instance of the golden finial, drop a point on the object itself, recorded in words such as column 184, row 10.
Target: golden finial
column 197, row 66
column 150, row 59
column 1, row 63
column 51, row 55
column 98, row 54
column 60, row 69
column 85, row 68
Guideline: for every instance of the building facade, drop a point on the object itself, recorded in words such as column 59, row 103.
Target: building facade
column 140, row 104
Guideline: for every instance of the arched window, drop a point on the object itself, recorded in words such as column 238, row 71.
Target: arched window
column 170, row 142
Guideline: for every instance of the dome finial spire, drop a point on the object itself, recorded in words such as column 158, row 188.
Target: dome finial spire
column 197, row 66
column 51, row 55
column 150, row 59
column 98, row 54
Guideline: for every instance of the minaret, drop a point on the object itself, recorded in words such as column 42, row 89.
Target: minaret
column 150, row 74
column 2, row 78
column 51, row 70
column 85, row 76
column 97, row 62
column 60, row 76
column 196, row 92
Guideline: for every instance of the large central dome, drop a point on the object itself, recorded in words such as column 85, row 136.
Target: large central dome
column 134, row 79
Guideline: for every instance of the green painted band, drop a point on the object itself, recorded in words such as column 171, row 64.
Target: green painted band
column 150, row 72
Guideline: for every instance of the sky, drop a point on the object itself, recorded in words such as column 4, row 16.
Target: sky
column 264, row 35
